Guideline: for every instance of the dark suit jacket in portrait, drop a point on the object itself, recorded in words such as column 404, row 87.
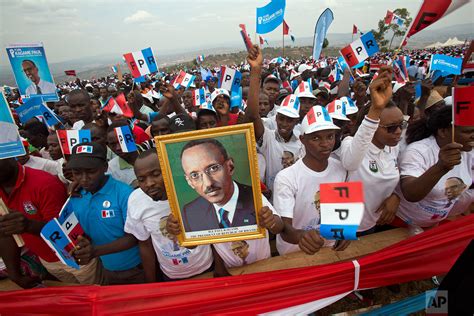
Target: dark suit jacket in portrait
column 201, row 215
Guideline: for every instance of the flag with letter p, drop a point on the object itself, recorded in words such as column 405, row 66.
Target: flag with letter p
column 342, row 208
column 70, row 138
column 141, row 63
column 360, row 49
column 125, row 139
column 270, row 16
column 463, row 106
column 229, row 79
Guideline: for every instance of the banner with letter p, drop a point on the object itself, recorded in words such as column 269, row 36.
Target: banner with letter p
column 141, row 63
column 360, row 49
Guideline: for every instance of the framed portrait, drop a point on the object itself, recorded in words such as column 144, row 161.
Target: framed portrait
column 212, row 182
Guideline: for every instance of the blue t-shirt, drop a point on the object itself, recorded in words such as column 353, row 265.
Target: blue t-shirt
column 102, row 216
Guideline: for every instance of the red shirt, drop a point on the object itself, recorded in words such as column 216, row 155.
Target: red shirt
column 40, row 196
column 232, row 120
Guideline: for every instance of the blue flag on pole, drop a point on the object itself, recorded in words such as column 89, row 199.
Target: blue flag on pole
column 34, row 106
column 270, row 16
column 446, row 64
column 320, row 31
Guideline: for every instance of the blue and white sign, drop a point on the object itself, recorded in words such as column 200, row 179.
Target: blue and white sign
column 125, row 139
column 322, row 26
column 270, row 16
column 34, row 107
column 446, row 64
column 57, row 239
column 10, row 141
column 31, row 71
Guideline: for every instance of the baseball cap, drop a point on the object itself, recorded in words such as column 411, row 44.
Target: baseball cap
column 294, row 74
column 337, row 110
column 206, row 107
column 272, row 78
column 304, row 90
column 351, row 108
column 182, row 123
column 290, row 106
column 88, row 155
column 219, row 92
column 317, row 119
column 303, row 67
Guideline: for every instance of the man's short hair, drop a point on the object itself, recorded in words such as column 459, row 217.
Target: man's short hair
column 456, row 178
column 118, row 123
column 146, row 153
column 204, row 141
column 34, row 127
column 78, row 92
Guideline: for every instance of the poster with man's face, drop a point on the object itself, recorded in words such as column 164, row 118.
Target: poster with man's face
column 214, row 185
column 31, row 71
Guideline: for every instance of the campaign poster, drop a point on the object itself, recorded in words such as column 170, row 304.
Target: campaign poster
column 31, row 71
column 10, row 142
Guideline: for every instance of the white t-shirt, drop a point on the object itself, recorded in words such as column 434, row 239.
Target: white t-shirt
column 419, row 157
column 272, row 148
column 143, row 221
column 295, row 197
column 377, row 169
column 50, row 166
column 126, row 175
column 256, row 249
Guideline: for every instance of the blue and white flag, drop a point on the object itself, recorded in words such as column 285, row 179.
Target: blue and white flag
column 229, row 79
column 322, row 26
column 59, row 241
column 446, row 64
column 125, row 139
column 236, row 98
column 34, row 107
column 10, row 141
column 342, row 63
column 270, row 16
column 141, row 62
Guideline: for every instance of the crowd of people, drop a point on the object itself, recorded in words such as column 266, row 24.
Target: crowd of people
column 311, row 127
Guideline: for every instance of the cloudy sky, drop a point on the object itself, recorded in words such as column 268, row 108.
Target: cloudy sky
column 73, row 29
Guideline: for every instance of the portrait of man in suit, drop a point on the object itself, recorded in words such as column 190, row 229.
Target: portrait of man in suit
column 222, row 202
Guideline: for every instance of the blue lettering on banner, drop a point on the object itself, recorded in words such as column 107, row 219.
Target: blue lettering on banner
column 270, row 16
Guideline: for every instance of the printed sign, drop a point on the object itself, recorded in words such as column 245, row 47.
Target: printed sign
column 125, row 139
column 70, row 138
column 10, row 141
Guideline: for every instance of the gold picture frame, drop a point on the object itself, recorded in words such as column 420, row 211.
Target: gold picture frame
column 197, row 212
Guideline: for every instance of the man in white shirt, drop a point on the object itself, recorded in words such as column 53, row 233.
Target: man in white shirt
column 38, row 86
column 146, row 219
column 272, row 143
column 296, row 188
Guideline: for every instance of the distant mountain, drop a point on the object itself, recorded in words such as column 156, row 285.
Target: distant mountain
column 99, row 66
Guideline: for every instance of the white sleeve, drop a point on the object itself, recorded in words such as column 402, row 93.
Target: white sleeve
column 133, row 225
column 263, row 146
column 354, row 149
column 284, row 196
column 267, row 203
column 413, row 162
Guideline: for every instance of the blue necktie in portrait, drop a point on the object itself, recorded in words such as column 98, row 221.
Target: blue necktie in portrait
column 224, row 218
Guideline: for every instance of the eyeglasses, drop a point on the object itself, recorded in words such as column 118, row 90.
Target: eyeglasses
column 212, row 170
column 393, row 128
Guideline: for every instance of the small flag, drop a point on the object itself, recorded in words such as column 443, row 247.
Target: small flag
column 398, row 73
column 417, row 91
column 70, row 72
column 354, row 29
column 229, row 79
column 262, row 40
column 335, row 75
column 70, row 138
column 342, row 208
column 447, row 64
column 236, row 98
column 200, row 59
column 360, row 49
column 463, row 106
column 108, row 213
column 183, row 79
column 392, row 18
column 199, row 97
column 125, row 139
column 118, row 105
column 245, row 37
column 141, row 62
column 34, row 107
column 114, row 69
column 286, row 28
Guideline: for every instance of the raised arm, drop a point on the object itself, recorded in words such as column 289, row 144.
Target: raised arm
column 255, row 59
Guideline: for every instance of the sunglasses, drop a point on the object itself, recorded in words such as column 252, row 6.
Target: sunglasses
column 393, row 128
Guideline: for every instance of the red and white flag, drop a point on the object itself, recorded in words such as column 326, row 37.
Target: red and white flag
column 118, row 105
column 430, row 12
column 354, row 29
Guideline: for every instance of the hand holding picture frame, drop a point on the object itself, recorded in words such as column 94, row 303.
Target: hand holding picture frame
column 212, row 183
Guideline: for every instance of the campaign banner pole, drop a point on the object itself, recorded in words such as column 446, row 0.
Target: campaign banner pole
column 283, row 38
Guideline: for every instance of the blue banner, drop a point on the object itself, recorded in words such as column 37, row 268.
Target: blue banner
column 34, row 107
column 31, row 71
column 339, row 232
column 446, row 64
column 57, row 239
column 342, row 63
column 236, row 98
column 270, row 16
column 322, row 26
column 10, row 142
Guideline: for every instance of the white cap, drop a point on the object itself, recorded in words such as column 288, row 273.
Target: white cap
column 317, row 119
column 290, row 106
column 304, row 67
column 397, row 86
column 337, row 110
column 351, row 108
column 294, row 74
column 218, row 92
column 207, row 106
column 304, row 90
